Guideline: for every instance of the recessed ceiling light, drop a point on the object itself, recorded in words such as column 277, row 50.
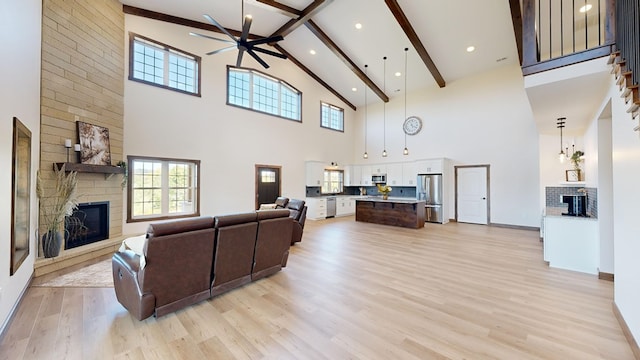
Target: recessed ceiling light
column 398, row 73
column 585, row 8
column 354, row 89
column 312, row 52
column 471, row 48
column 358, row 26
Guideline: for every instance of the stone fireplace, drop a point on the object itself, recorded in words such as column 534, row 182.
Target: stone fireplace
column 89, row 223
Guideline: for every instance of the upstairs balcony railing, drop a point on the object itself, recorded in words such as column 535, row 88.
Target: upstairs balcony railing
column 557, row 33
column 628, row 36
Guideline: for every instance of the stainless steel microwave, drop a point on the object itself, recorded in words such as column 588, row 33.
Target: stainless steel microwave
column 379, row 178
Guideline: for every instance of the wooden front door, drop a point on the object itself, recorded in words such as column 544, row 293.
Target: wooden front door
column 267, row 184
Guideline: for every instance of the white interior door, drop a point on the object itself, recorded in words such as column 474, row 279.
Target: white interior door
column 472, row 201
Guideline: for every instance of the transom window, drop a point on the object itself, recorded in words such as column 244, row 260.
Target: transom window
column 157, row 64
column 162, row 188
column 333, row 182
column 331, row 117
column 254, row 90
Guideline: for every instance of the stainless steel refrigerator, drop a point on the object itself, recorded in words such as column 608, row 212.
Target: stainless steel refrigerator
column 429, row 189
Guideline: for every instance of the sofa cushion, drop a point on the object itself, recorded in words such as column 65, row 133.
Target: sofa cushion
column 179, row 226
column 234, row 219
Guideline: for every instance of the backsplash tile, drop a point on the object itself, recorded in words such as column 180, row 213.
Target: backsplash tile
column 553, row 197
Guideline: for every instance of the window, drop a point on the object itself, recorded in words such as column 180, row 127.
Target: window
column 162, row 188
column 153, row 63
column 268, row 176
column 333, row 182
column 331, row 117
column 257, row 91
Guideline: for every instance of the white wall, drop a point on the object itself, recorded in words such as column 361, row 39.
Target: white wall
column 20, row 24
column 605, row 194
column 485, row 119
column 228, row 140
column 626, row 227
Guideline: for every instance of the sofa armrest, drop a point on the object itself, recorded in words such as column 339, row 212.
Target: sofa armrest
column 127, row 287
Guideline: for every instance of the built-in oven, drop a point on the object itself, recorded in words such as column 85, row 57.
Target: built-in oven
column 379, row 178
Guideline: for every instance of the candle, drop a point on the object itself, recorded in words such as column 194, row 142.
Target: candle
column 67, row 143
column 77, row 147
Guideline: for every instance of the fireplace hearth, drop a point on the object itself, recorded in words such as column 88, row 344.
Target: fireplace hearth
column 89, row 223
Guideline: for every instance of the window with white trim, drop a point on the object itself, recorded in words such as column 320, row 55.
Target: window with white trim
column 333, row 182
column 257, row 91
column 162, row 188
column 331, row 116
column 157, row 64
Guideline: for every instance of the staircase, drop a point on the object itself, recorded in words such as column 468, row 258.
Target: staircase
column 628, row 90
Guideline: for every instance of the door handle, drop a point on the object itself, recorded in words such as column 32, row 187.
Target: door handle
column 484, row 198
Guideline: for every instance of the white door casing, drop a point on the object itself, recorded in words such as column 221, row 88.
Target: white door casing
column 472, row 194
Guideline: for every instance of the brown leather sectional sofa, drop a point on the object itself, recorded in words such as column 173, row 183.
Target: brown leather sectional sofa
column 187, row 261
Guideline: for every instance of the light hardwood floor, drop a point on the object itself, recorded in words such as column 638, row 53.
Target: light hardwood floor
column 353, row 291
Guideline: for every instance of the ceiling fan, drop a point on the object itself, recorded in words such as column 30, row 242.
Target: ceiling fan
column 242, row 44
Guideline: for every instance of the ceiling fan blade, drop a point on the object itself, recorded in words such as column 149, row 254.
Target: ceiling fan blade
column 269, row 52
column 266, row 40
column 245, row 28
column 211, row 20
column 221, row 50
column 211, row 37
column 255, row 56
column 240, row 53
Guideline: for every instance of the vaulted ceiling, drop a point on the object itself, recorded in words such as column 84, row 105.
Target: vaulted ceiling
column 436, row 32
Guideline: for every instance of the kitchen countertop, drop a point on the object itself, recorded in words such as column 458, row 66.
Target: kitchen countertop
column 397, row 200
column 552, row 211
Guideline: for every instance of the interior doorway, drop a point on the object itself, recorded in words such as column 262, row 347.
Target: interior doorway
column 267, row 184
column 472, row 194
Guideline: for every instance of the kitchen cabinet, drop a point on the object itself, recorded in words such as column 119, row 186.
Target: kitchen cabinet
column 571, row 243
column 348, row 172
column 394, row 174
column 314, row 172
column 409, row 174
column 346, row 205
column 379, row 169
column 429, row 166
column 356, row 175
column 366, row 175
column 316, row 208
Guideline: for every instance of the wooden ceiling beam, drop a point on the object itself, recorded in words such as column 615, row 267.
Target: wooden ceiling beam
column 282, row 9
column 315, row 29
column 305, row 16
column 401, row 18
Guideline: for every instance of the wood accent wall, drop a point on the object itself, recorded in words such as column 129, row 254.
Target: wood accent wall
column 83, row 68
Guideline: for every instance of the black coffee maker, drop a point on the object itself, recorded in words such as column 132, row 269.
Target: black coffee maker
column 577, row 205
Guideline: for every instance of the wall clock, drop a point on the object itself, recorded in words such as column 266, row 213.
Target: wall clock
column 412, row 125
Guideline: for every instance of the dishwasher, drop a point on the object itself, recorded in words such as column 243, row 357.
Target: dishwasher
column 331, row 206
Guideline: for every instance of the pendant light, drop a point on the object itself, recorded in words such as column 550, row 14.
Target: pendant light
column 560, row 124
column 384, row 109
column 365, row 155
column 406, row 150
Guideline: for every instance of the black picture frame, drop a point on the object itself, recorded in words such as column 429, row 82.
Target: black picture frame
column 94, row 144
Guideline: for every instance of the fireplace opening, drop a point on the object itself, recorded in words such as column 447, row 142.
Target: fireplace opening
column 89, row 223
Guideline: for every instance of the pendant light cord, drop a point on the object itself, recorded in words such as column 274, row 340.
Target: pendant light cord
column 384, row 107
column 405, row 96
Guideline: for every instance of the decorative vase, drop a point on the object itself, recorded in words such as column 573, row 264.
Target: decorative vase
column 51, row 243
column 385, row 196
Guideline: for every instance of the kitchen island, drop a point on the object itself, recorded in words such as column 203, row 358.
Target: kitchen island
column 402, row 212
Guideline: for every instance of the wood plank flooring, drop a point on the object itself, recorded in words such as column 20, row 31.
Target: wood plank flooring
column 353, row 291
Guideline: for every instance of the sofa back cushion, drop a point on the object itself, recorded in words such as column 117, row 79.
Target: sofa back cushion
column 178, row 264
column 296, row 208
column 234, row 247
column 281, row 202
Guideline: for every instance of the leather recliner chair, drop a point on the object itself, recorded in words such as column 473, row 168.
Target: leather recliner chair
column 297, row 211
column 178, row 256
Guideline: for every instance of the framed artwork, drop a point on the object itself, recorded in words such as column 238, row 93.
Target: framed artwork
column 94, row 144
column 21, row 194
column 572, row 175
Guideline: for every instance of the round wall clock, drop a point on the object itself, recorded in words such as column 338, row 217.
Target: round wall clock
column 412, row 125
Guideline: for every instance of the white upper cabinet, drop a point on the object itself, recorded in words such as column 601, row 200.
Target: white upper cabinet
column 314, row 172
column 394, row 174
column 409, row 174
column 430, row 166
column 366, row 175
column 379, row 169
